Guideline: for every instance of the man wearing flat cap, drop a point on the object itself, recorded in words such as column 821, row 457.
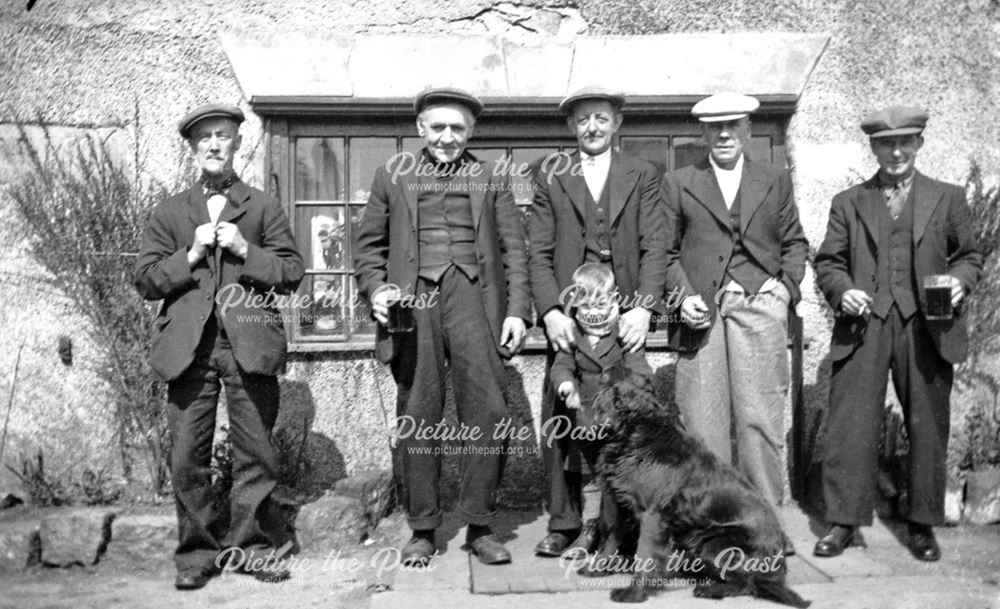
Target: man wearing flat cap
column 441, row 228
column 736, row 256
column 219, row 236
column 886, row 238
column 594, row 205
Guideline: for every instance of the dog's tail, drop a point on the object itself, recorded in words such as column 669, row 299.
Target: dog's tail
column 775, row 590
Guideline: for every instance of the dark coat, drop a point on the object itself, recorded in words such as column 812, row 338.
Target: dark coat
column 701, row 237
column 386, row 246
column 556, row 230
column 943, row 243
column 273, row 263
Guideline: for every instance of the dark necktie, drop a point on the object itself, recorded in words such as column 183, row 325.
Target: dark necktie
column 896, row 200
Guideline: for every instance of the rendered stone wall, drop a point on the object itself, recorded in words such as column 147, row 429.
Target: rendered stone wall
column 131, row 69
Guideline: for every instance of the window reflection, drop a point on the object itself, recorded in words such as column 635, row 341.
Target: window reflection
column 319, row 169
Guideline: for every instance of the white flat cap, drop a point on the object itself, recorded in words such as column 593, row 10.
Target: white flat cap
column 724, row 107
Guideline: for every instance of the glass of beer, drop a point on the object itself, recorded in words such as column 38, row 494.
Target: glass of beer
column 937, row 295
column 400, row 312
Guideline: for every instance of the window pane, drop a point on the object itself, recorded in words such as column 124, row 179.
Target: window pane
column 759, row 149
column 357, row 213
column 321, row 236
column 319, row 169
column 487, row 155
column 367, row 153
column 654, row 150
column 413, row 145
column 521, row 184
column 688, row 151
column 360, row 321
column 324, row 315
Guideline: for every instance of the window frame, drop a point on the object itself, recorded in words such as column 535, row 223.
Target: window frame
column 517, row 123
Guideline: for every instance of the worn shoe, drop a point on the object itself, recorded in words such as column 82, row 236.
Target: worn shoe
column 192, row 578
column 417, row 552
column 555, row 543
column 837, row 538
column 488, row 550
column 585, row 543
column 922, row 543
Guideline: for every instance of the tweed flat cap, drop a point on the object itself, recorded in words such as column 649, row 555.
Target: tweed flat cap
column 448, row 95
column 724, row 107
column 209, row 111
column 616, row 98
column 895, row 120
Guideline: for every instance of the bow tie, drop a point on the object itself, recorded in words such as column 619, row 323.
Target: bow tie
column 216, row 186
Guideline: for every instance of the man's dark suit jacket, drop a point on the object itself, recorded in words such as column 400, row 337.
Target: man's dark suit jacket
column 556, row 230
column 701, row 238
column 273, row 262
column 386, row 246
column 943, row 244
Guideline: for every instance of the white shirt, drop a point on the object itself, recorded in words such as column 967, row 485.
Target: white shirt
column 728, row 179
column 595, row 172
column 729, row 184
column 215, row 205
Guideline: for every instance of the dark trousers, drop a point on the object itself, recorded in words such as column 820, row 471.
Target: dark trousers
column 922, row 380
column 252, row 403
column 452, row 334
column 563, row 487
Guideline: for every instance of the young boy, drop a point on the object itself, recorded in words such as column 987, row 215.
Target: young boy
column 576, row 377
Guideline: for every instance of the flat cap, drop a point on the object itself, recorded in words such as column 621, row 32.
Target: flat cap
column 895, row 120
column 616, row 98
column 209, row 111
column 448, row 95
column 724, row 107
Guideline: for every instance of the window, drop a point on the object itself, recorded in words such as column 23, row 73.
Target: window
column 322, row 165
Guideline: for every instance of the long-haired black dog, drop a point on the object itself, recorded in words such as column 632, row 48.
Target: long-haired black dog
column 700, row 519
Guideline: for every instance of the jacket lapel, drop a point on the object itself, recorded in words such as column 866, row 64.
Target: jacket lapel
column 621, row 182
column 198, row 205
column 705, row 189
column 869, row 204
column 575, row 186
column 753, row 191
column 235, row 207
column 477, row 193
column 926, row 197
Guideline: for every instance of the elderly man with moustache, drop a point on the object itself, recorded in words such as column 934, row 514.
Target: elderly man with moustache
column 884, row 237
column 443, row 229
column 219, row 235
column 594, row 205
column 737, row 253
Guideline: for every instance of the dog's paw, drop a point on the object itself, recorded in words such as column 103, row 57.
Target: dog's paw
column 630, row 594
column 587, row 571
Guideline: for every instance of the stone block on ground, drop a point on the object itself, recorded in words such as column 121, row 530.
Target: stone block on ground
column 954, row 502
column 374, row 488
column 982, row 497
column 143, row 536
column 19, row 544
column 75, row 536
column 331, row 521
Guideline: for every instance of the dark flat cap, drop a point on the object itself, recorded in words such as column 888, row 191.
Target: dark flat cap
column 725, row 107
column 895, row 120
column 616, row 98
column 209, row 111
column 449, row 95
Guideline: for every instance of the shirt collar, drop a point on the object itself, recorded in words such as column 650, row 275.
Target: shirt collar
column 736, row 170
column 597, row 158
column 887, row 184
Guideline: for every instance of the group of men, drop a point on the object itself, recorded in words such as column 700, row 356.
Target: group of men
column 722, row 234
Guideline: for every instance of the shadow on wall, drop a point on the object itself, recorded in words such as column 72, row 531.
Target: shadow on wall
column 309, row 463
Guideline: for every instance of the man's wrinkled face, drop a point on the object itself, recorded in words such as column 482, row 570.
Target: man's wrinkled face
column 214, row 142
column 594, row 122
column 896, row 155
column 726, row 140
column 446, row 130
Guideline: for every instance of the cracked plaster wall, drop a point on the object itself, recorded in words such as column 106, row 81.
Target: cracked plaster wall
column 92, row 64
